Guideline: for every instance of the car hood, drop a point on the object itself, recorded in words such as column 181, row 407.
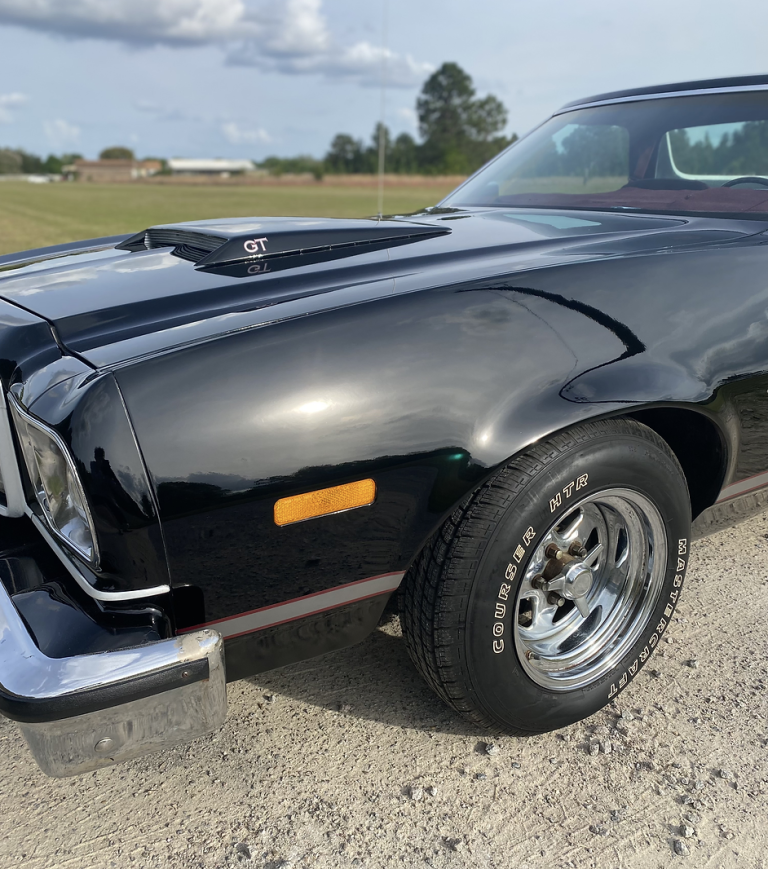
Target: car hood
column 99, row 295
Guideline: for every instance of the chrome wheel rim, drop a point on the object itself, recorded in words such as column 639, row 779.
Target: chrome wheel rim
column 590, row 588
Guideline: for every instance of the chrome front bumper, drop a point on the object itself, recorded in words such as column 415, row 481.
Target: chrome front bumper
column 81, row 713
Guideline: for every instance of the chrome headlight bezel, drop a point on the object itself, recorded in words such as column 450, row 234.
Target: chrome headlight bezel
column 42, row 487
column 13, row 491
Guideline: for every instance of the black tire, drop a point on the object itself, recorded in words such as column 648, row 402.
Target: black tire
column 467, row 640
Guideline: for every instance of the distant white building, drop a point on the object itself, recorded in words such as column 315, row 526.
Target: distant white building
column 212, row 166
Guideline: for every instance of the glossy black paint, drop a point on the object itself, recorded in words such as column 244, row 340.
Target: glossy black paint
column 739, row 81
column 27, row 344
column 424, row 366
column 89, row 414
column 63, row 620
column 427, row 391
column 98, row 299
column 304, row 638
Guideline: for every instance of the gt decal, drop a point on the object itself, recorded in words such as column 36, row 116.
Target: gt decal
column 629, row 673
column 255, row 245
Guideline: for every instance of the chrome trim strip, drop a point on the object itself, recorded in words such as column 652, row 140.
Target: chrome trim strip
column 9, row 467
column 667, row 95
column 64, row 449
column 81, row 580
column 301, row 607
column 743, row 487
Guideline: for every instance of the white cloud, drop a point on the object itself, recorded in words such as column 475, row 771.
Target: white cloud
column 287, row 36
column 295, row 40
column 8, row 102
column 237, row 136
column 61, row 134
column 173, row 22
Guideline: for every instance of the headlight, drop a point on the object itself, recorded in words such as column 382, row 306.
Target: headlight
column 56, row 483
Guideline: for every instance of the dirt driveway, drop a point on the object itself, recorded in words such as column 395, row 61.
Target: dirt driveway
column 348, row 760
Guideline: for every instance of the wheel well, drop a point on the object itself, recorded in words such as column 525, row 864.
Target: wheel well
column 699, row 447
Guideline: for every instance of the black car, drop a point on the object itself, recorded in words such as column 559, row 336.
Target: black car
column 224, row 445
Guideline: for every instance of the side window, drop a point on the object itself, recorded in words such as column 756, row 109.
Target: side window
column 715, row 154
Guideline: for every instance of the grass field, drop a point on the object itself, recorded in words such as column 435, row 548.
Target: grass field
column 35, row 215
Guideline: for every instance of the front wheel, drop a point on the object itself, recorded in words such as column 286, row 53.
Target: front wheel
column 542, row 597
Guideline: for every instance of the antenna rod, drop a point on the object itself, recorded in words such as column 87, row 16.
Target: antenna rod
column 382, row 128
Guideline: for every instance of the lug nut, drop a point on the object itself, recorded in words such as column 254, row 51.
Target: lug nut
column 577, row 549
column 555, row 599
column 553, row 551
column 538, row 581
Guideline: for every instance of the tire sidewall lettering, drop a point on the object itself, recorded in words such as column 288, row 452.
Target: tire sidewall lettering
column 490, row 628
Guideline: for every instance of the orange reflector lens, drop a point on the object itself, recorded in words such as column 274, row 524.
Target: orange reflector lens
column 324, row 501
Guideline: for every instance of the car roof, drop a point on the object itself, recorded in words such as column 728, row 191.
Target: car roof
column 733, row 83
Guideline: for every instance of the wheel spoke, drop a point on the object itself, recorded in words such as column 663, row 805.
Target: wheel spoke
column 563, row 537
column 542, row 614
column 615, row 530
column 593, row 555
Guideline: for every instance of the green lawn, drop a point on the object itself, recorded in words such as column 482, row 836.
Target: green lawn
column 35, row 215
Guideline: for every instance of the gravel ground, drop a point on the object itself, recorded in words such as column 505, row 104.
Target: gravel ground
column 348, row 760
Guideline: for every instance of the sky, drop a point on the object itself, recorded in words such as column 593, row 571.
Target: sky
column 251, row 78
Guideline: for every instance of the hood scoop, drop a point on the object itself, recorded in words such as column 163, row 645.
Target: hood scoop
column 213, row 244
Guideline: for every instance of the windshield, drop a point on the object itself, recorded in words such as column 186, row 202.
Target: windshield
column 705, row 153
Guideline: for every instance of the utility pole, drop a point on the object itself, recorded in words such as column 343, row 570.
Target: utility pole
column 382, row 112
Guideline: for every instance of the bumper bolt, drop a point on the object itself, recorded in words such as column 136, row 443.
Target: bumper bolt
column 104, row 745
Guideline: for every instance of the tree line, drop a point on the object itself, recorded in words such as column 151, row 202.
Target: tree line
column 15, row 161
column 459, row 131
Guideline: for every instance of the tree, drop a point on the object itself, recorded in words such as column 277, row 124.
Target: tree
column 404, row 156
column 371, row 156
column 460, row 131
column 31, row 164
column 10, row 162
column 345, row 154
column 117, row 152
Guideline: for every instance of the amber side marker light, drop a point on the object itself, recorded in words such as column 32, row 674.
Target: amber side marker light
column 324, row 501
